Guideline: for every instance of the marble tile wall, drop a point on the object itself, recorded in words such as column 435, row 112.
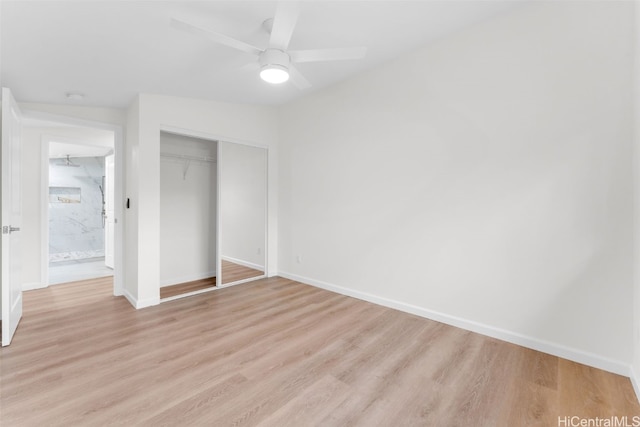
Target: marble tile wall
column 75, row 229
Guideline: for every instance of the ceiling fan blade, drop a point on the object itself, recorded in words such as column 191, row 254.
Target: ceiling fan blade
column 216, row 37
column 318, row 55
column 283, row 24
column 298, row 79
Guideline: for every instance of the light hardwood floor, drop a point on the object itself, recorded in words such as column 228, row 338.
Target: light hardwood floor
column 231, row 272
column 273, row 353
column 188, row 287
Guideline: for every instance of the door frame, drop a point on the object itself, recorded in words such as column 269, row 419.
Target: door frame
column 45, row 209
column 118, row 149
column 108, row 210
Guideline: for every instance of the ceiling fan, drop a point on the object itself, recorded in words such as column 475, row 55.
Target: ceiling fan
column 275, row 61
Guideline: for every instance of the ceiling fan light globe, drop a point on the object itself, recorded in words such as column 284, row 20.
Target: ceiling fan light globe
column 274, row 74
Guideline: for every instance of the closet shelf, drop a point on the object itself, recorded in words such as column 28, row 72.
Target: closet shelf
column 188, row 157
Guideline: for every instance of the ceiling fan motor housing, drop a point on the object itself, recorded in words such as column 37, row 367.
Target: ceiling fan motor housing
column 274, row 57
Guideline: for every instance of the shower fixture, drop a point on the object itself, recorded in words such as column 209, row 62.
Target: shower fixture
column 68, row 162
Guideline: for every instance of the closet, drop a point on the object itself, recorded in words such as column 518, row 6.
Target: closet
column 213, row 198
column 188, row 196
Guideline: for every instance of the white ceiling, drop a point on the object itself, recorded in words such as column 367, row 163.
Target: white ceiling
column 70, row 140
column 112, row 50
column 60, row 150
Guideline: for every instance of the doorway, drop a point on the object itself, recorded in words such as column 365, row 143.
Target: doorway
column 74, row 156
column 79, row 196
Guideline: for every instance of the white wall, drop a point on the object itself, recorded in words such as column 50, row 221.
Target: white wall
column 243, row 173
column 131, row 211
column 1, row 86
column 635, row 371
column 31, row 175
column 188, row 195
column 207, row 119
column 484, row 180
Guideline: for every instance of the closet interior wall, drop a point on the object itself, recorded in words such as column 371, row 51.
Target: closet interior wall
column 188, row 186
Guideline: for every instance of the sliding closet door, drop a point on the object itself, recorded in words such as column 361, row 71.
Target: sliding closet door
column 242, row 213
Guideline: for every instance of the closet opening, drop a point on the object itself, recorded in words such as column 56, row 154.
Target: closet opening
column 213, row 214
column 188, row 215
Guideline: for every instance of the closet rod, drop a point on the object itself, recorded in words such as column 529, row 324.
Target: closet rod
column 188, row 157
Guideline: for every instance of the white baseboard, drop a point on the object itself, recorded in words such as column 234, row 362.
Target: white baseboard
column 132, row 300
column 33, row 286
column 187, row 278
column 544, row 346
column 138, row 304
column 635, row 381
column 149, row 302
column 243, row 263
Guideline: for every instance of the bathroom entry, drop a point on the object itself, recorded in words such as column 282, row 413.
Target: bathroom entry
column 79, row 199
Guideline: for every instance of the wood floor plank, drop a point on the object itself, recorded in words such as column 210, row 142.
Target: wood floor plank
column 232, row 272
column 276, row 352
column 540, row 368
column 312, row 404
column 528, row 404
column 589, row 392
column 188, row 287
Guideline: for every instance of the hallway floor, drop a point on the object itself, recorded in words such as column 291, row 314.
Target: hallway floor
column 72, row 271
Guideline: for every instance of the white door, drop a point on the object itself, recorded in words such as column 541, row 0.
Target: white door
column 11, row 217
column 109, row 223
